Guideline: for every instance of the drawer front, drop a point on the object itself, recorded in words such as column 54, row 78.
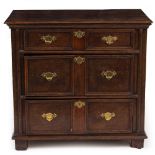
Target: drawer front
column 113, row 39
column 47, row 117
column 48, row 75
column 48, row 39
column 111, row 116
column 111, row 75
column 80, row 39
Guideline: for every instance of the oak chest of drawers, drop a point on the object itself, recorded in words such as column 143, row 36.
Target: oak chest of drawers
column 78, row 75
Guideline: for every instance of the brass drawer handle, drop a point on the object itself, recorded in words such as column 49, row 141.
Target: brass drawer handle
column 49, row 116
column 109, row 39
column 79, row 104
column 48, row 39
column 108, row 115
column 108, row 74
column 79, row 34
column 79, row 60
column 49, row 75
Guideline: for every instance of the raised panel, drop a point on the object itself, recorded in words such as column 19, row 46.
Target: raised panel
column 110, row 39
column 37, row 123
column 111, row 115
column 48, row 75
column 47, row 39
column 110, row 75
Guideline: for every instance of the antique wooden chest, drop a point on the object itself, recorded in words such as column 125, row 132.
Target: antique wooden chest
column 78, row 75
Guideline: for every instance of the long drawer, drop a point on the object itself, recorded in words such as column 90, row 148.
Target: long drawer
column 80, row 116
column 80, row 39
column 97, row 75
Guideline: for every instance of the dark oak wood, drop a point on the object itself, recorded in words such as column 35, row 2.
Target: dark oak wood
column 33, row 41
column 21, row 144
column 78, row 120
column 137, row 143
column 77, row 16
column 121, row 83
column 37, row 85
column 108, row 136
column 37, row 124
column 126, row 39
column 123, row 121
column 80, row 93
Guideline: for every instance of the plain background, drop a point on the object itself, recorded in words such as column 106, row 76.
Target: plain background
column 6, row 104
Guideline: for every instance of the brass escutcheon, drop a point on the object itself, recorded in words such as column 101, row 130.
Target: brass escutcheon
column 79, row 34
column 79, row 60
column 79, row 104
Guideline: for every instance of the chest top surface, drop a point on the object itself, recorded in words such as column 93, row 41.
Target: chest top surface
column 131, row 16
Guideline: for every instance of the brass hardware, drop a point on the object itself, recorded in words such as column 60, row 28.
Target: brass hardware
column 108, row 115
column 109, row 39
column 108, row 74
column 79, row 34
column 79, row 60
column 79, row 104
column 49, row 75
column 49, row 116
column 48, row 39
